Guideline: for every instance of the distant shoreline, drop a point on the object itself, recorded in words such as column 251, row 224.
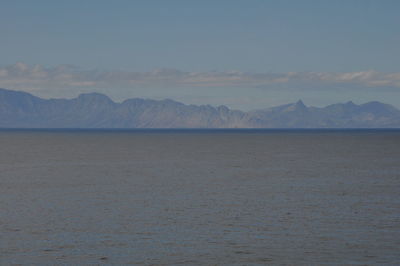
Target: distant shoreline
column 205, row 130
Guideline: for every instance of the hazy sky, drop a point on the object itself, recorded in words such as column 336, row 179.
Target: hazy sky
column 245, row 54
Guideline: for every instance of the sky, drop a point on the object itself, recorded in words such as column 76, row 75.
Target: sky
column 245, row 54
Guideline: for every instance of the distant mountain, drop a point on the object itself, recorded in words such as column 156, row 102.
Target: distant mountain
column 340, row 115
column 93, row 110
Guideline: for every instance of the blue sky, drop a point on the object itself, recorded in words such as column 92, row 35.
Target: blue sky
column 191, row 37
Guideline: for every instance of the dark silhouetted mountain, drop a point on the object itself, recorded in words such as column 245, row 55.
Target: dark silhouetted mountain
column 94, row 110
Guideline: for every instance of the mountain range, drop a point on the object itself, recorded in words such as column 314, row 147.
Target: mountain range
column 94, row 110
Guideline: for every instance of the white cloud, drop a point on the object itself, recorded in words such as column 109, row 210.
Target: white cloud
column 37, row 77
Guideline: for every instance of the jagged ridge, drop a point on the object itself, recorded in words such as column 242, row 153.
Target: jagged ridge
column 94, row 110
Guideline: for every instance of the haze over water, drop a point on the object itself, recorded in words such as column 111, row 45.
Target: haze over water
column 200, row 197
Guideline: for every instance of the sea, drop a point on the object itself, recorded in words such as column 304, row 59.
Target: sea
column 199, row 197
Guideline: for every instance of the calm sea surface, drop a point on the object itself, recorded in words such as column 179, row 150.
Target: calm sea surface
column 246, row 197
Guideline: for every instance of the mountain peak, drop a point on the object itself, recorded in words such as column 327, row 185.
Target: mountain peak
column 94, row 96
column 300, row 103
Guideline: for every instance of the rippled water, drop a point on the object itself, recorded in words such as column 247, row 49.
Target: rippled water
column 200, row 198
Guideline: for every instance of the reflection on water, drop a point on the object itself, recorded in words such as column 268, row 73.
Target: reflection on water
column 195, row 198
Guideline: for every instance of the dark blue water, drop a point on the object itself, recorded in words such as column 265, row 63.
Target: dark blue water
column 200, row 197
